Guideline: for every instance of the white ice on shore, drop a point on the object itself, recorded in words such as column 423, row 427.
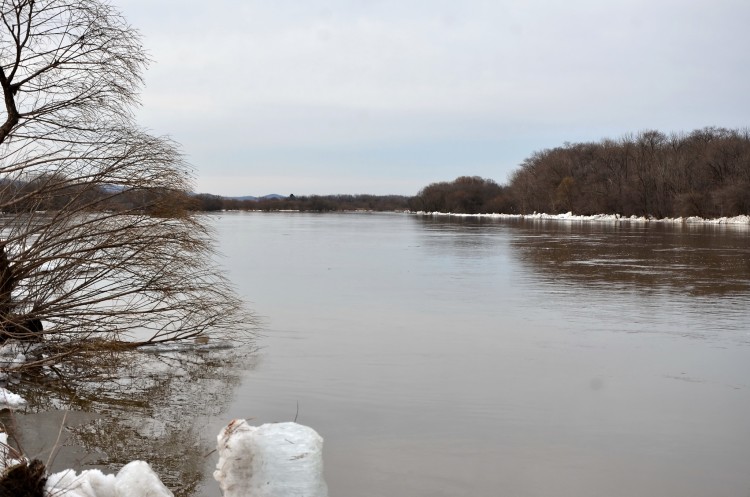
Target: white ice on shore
column 271, row 460
column 7, row 458
column 135, row 479
column 569, row 216
column 10, row 400
column 11, row 358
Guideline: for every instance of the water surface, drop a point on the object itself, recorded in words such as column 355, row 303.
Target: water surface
column 474, row 357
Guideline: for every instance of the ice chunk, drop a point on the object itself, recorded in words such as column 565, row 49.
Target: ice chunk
column 135, row 479
column 271, row 460
column 90, row 483
column 7, row 455
column 10, row 400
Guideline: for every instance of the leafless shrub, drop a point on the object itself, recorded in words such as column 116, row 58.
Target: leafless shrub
column 96, row 244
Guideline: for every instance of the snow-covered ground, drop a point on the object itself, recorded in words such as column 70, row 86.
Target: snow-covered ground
column 569, row 216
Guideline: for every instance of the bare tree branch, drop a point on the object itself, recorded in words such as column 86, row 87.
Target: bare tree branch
column 96, row 239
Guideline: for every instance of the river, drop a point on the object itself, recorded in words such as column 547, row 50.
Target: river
column 451, row 356
column 447, row 357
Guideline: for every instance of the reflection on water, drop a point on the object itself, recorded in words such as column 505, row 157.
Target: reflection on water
column 698, row 260
column 123, row 406
column 691, row 280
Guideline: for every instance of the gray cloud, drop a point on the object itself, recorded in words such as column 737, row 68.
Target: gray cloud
column 245, row 77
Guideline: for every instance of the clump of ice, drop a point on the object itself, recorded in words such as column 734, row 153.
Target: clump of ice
column 271, row 460
column 11, row 357
column 90, row 483
column 7, row 455
column 10, row 400
column 135, row 479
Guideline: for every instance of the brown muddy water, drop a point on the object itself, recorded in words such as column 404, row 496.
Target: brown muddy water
column 448, row 357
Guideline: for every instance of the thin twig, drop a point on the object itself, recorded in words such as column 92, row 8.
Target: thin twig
column 56, row 447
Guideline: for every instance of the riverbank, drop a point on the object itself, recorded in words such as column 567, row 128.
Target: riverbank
column 569, row 216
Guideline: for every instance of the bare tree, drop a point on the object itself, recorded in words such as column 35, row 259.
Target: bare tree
column 704, row 173
column 96, row 243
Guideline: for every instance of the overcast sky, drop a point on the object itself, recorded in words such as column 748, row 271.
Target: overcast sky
column 387, row 96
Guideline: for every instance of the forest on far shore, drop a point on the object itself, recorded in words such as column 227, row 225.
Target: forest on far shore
column 703, row 173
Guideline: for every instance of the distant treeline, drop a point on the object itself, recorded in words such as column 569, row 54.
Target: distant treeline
column 703, row 173
column 312, row 203
column 466, row 195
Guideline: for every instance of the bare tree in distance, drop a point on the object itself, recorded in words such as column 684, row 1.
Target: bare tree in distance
column 96, row 242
